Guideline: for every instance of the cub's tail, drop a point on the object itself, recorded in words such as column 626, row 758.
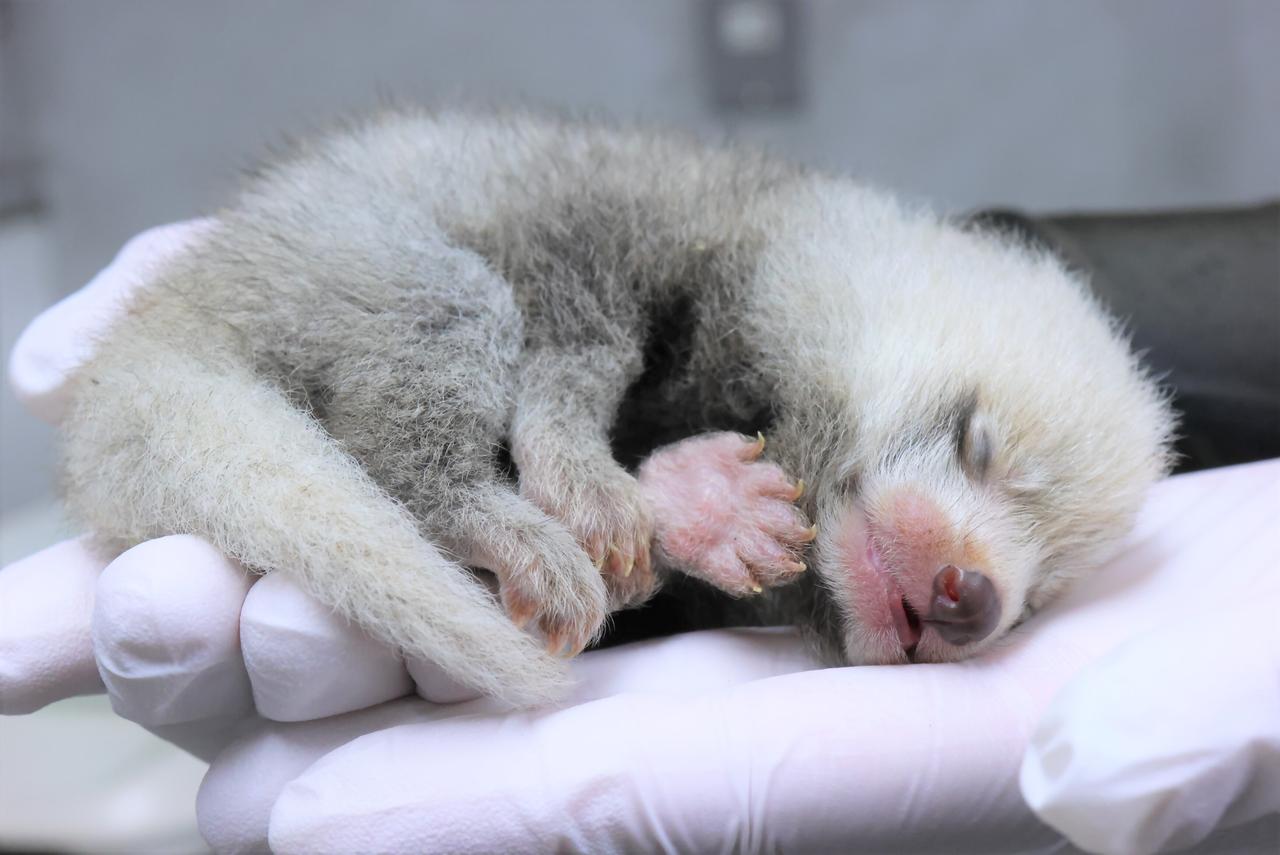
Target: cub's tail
column 162, row 441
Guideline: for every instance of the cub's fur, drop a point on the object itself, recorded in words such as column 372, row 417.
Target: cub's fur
column 326, row 385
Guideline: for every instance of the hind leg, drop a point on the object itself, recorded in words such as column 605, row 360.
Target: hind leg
column 422, row 399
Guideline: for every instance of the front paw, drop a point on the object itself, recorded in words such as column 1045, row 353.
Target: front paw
column 605, row 509
column 725, row 516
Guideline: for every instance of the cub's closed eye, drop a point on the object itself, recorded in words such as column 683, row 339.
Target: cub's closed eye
column 976, row 447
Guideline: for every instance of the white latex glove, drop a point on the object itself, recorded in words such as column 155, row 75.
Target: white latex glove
column 703, row 742
column 1170, row 736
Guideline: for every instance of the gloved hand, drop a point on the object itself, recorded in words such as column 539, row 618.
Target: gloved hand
column 1171, row 735
column 323, row 740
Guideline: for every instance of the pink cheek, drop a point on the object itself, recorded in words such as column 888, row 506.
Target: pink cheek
column 850, row 541
column 864, row 591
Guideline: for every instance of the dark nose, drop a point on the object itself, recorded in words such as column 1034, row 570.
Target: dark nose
column 965, row 608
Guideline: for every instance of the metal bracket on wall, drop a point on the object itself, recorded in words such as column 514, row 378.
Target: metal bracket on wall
column 753, row 54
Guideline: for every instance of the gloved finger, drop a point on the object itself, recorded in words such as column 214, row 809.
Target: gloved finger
column 307, row 662
column 166, row 635
column 434, row 685
column 243, row 783
column 46, row 653
column 246, row 779
column 691, row 663
column 875, row 758
column 432, row 682
column 1127, row 760
column 62, row 337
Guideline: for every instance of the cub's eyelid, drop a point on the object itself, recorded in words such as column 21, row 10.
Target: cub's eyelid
column 977, row 446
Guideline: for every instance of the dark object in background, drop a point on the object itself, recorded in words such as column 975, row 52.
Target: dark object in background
column 1200, row 291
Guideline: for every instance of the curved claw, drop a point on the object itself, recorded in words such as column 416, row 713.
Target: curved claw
column 561, row 647
column 754, row 448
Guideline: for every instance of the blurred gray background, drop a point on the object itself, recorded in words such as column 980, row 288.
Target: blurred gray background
column 115, row 116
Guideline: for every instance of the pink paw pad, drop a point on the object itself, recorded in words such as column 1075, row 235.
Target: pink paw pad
column 724, row 515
